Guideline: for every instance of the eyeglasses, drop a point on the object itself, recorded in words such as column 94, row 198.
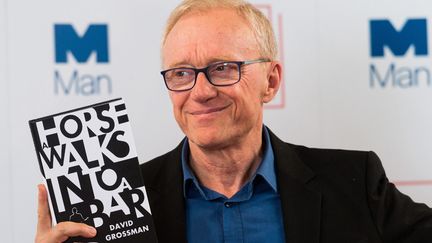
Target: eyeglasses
column 218, row 74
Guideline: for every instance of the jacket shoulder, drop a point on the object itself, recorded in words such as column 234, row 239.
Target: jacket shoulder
column 334, row 160
column 319, row 158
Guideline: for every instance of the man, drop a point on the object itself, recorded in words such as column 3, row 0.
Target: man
column 231, row 179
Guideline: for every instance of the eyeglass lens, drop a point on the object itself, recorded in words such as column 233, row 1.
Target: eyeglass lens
column 225, row 73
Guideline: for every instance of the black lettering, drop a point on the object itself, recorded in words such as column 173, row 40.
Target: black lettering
column 102, row 184
column 80, row 148
column 54, row 154
column 84, row 192
column 99, row 110
column 99, row 213
column 63, row 129
column 127, row 196
column 118, row 147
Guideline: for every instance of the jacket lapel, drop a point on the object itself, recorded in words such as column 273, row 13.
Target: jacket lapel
column 301, row 206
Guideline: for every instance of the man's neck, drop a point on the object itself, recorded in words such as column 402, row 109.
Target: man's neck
column 227, row 170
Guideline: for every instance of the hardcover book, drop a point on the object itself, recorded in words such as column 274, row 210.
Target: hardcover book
column 88, row 159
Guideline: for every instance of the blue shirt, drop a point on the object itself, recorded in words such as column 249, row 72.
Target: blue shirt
column 252, row 215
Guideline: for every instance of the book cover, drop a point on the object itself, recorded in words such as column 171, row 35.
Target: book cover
column 89, row 162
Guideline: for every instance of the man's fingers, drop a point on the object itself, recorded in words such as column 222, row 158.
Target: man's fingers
column 64, row 230
column 44, row 217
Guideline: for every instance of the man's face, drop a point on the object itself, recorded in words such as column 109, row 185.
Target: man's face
column 217, row 117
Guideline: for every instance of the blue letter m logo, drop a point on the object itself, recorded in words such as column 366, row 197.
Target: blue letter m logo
column 414, row 32
column 94, row 39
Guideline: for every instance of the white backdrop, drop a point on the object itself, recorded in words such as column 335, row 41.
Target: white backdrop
column 326, row 100
column 5, row 178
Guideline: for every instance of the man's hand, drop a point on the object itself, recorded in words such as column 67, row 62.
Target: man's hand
column 62, row 231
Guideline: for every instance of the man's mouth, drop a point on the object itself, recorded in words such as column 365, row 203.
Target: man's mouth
column 209, row 110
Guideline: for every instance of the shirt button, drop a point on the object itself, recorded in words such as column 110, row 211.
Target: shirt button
column 227, row 204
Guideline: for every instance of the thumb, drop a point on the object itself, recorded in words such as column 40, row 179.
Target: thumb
column 44, row 223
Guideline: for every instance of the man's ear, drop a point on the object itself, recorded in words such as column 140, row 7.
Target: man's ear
column 274, row 79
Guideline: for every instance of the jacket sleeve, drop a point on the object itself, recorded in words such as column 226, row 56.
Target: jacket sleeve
column 396, row 216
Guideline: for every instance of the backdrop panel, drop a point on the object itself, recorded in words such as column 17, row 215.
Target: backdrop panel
column 382, row 101
column 5, row 161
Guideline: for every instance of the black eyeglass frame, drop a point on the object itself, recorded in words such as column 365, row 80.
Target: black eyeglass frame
column 205, row 71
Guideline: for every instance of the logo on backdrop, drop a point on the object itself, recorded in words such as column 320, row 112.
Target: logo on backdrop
column 399, row 56
column 79, row 58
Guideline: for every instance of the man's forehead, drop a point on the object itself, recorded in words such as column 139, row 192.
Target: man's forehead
column 216, row 35
column 201, row 55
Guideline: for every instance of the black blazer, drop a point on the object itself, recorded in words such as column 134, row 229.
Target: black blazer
column 327, row 196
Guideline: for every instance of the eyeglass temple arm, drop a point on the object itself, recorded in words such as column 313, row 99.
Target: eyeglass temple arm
column 257, row 61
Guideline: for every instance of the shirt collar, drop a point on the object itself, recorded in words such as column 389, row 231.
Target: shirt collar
column 266, row 169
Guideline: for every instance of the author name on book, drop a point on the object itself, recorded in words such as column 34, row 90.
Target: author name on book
column 125, row 232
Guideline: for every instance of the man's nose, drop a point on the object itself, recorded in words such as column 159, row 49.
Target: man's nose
column 203, row 89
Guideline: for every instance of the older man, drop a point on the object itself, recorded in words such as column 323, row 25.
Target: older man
column 231, row 179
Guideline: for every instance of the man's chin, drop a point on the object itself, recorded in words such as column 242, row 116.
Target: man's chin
column 209, row 142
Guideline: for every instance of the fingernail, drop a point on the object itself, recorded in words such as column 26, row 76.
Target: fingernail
column 91, row 230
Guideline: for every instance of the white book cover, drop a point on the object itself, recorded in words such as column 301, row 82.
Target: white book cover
column 89, row 163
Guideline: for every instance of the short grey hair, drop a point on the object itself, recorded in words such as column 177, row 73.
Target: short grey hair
column 259, row 23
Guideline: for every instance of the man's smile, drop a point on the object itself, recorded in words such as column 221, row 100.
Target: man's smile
column 208, row 111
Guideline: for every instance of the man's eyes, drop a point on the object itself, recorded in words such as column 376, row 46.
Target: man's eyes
column 182, row 73
column 220, row 67
column 224, row 67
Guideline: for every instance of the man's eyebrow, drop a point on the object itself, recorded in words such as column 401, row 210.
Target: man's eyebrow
column 182, row 63
column 210, row 61
column 221, row 59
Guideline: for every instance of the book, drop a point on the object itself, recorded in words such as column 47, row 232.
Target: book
column 89, row 163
